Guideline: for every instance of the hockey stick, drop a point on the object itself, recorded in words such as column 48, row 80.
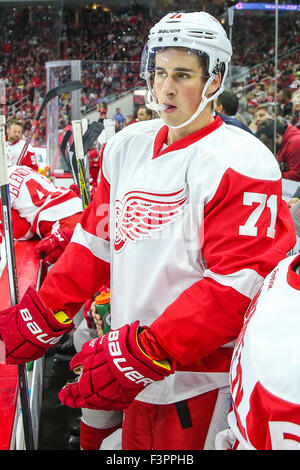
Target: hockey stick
column 63, row 147
column 78, row 144
column 13, row 283
column 77, row 162
column 59, row 90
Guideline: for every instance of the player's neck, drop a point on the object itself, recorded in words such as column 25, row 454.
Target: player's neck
column 204, row 119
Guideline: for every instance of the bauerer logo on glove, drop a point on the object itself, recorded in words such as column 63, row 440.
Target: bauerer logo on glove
column 121, row 363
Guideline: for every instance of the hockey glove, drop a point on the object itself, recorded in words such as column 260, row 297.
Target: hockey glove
column 114, row 369
column 52, row 247
column 29, row 328
column 75, row 188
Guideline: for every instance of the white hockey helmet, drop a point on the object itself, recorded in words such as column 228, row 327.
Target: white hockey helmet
column 198, row 31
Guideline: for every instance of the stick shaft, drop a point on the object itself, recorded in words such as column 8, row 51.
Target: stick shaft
column 64, row 88
column 13, row 284
column 77, row 134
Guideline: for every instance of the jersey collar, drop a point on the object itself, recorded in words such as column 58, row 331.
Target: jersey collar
column 14, row 143
column 162, row 135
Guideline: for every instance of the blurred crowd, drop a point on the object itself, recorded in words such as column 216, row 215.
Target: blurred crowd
column 109, row 44
column 256, row 50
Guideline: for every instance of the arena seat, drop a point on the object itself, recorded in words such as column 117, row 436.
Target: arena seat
column 29, row 273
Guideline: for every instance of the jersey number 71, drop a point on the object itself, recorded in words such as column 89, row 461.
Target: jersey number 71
column 249, row 228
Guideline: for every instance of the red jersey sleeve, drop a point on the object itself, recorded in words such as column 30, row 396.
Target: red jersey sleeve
column 20, row 225
column 247, row 229
column 84, row 265
column 30, row 161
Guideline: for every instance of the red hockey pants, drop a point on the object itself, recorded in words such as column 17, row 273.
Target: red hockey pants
column 188, row 425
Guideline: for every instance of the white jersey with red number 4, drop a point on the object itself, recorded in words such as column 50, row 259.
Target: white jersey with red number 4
column 265, row 368
column 34, row 200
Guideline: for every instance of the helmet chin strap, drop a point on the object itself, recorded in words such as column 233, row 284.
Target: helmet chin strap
column 151, row 103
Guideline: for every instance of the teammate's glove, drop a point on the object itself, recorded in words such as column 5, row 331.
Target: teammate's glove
column 29, row 328
column 50, row 248
column 114, row 369
column 74, row 187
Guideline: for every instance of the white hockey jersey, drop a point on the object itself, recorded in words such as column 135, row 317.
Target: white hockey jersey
column 185, row 234
column 35, row 200
column 13, row 151
column 265, row 372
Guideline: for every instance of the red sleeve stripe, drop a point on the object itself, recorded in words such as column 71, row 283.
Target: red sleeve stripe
column 97, row 246
column 245, row 281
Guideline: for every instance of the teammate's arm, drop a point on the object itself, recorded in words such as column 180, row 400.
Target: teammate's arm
column 84, row 265
column 21, row 227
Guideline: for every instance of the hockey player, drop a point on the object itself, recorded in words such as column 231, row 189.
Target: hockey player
column 187, row 221
column 39, row 209
column 265, row 373
column 15, row 144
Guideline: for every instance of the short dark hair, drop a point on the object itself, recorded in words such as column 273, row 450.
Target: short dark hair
column 148, row 111
column 266, row 127
column 229, row 101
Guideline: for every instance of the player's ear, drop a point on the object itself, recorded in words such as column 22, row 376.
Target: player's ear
column 214, row 85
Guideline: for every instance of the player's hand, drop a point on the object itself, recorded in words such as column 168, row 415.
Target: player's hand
column 52, row 247
column 92, row 318
column 29, row 328
column 114, row 369
column 97, row 319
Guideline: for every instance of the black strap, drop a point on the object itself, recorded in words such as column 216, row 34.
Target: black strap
column 183, row 414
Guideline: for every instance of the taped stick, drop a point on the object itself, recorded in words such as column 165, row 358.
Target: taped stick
column 82, row 183
column 84, row 144
column 13, row 283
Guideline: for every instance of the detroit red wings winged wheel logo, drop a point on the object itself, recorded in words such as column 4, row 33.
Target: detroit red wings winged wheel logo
column 140, row 214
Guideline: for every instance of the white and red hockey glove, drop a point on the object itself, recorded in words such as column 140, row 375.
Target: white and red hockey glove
column 29, row 329
column 114, row 369
column 52, row 247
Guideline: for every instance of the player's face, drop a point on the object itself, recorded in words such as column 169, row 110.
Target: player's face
column 142, row 115
column 14, row 133
column 261, row 115
column 178, row 84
